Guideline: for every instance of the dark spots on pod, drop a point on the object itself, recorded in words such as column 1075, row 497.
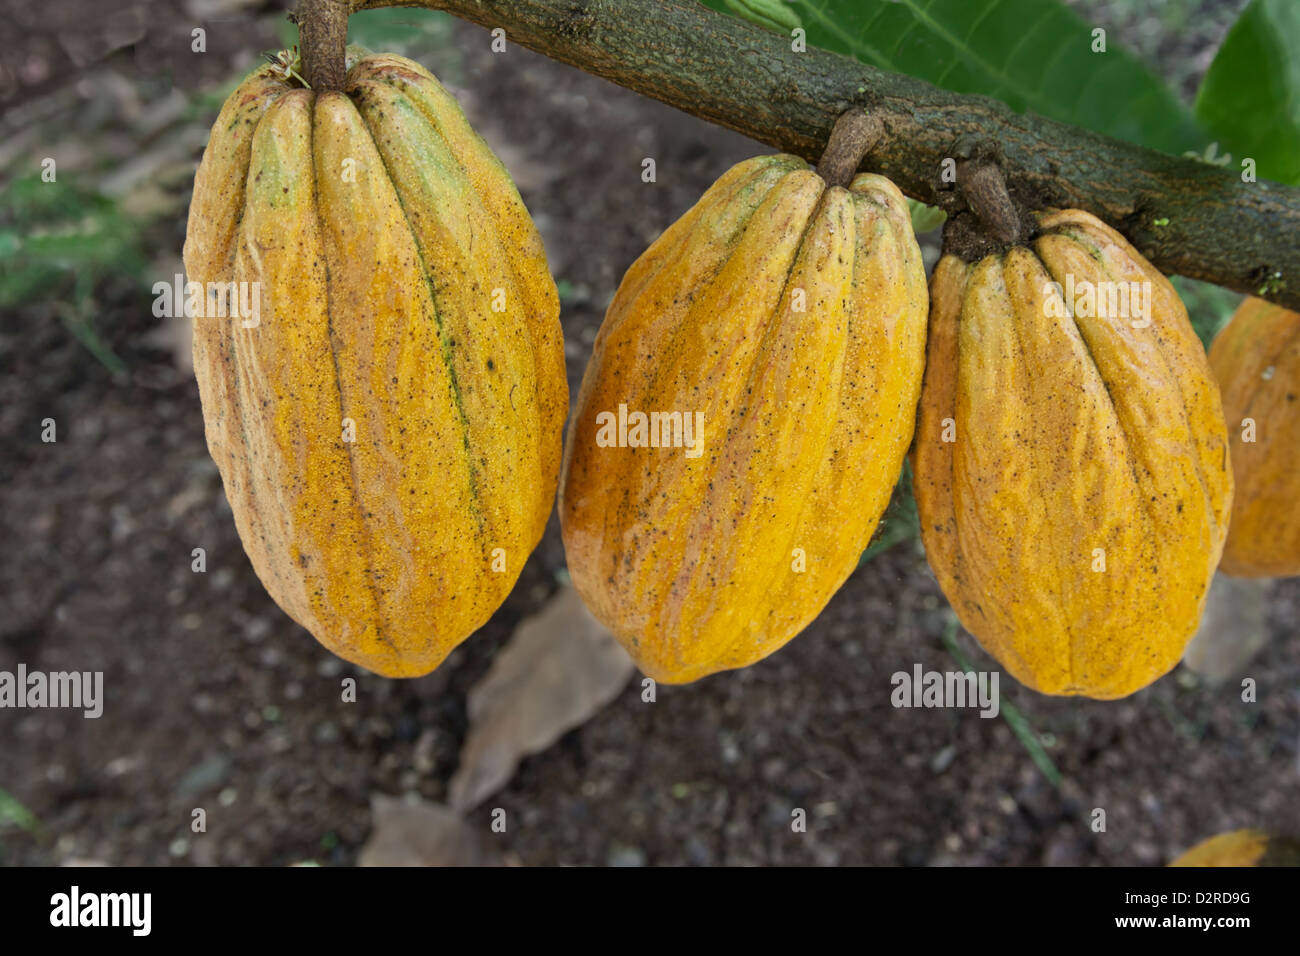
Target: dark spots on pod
column 491, row 365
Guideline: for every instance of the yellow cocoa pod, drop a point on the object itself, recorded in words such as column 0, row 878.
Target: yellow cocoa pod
column 1256, row 358
column 1071, row 467
column 1242, row 848
column 744, row 416
column 388, row 425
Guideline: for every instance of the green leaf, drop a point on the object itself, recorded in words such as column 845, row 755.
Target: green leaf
column 64, row 226
column 925, row 218
column 1208, row 307
column 59, row 241
column 11, row 811
column 1033, row 55
column 1250, row 98
column 900, row 521
column 399, row 30
column 774, row 14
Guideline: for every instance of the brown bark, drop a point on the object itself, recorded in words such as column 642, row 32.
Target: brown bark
column 323, row 38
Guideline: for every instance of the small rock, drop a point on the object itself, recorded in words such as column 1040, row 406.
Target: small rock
column 626, row 856
column 1064, row 849
column 698, row 852
column 120, row 766
column 943, row 759
column 256, row 629
column 325, row 733
column 209, row 774
column 424, row 758
column 329, row 667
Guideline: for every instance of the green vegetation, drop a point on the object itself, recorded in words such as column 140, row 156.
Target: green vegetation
column 59, row 242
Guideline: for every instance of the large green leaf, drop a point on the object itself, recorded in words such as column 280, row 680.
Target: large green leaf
column 1033, row 55
column 1250, row 98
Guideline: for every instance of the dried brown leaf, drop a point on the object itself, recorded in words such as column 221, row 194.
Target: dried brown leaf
column 559, row 669
column 421, row 833
column 1233, row 628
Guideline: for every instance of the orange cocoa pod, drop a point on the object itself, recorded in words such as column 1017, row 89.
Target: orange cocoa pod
column 773, row 340
column 1256, row 358
column 388, row 430
column 1071, row 469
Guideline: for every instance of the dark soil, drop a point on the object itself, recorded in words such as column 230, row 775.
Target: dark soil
column 215, row 699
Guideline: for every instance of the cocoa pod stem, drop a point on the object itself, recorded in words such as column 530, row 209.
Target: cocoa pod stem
column 323, row 38
column 986, row 195
column 852, row 137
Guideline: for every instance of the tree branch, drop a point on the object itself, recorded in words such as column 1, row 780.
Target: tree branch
column 1187, row 217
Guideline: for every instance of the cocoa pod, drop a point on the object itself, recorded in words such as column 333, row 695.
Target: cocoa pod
column 779, row 325
column 389, row 430
column 1242, row 848
column 1071, row 468
column 1256, row 358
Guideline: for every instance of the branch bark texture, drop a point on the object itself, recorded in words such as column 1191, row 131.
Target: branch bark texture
column 323, row 38
column 1187, row 217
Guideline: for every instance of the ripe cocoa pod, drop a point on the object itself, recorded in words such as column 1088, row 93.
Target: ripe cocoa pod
column 776, row 332
column 1071, row 469
column 1256, row 358
column 1242, row 848
column 388, row 429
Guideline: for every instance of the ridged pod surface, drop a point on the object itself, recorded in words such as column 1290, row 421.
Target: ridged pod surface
column 791, row 317
column 396, row 413
column 1242, row 848
column 1256, row 358
column 1071, row 470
